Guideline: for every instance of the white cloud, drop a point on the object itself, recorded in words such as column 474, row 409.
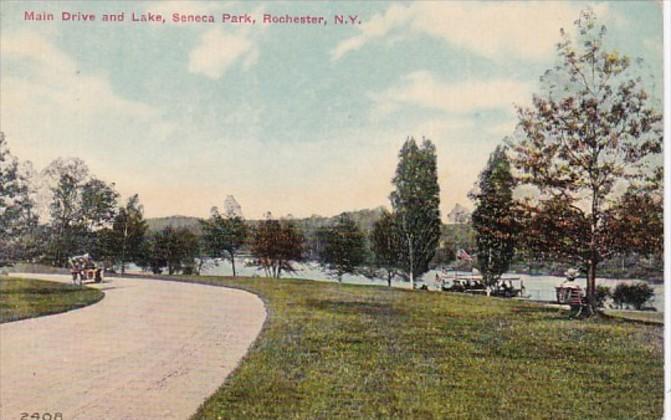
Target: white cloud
column 422, row 89
column 527, row 30
column 217, row 51
column 51, row 108
column 55, row 79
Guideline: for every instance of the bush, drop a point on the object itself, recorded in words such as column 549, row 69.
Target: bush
column 602, row 293
column 635, row 295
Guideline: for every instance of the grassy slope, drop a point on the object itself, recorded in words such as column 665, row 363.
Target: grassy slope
column 26, row 298
column 334, row 351
column 650, row 317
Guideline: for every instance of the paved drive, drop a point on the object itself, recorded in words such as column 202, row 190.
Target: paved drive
column 148, row 350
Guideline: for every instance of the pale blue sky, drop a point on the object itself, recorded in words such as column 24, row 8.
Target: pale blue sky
column 288, row 118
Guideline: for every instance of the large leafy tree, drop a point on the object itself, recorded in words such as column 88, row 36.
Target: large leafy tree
column 276, row 245
column 80, row 207
column 69, row 234
column 494, row 217
column 416, row 201
column 16, row 205
column 171, row 248
column 638, row 218
column 592, row 131
column 98, row 203
column 224, row 235
column 385, row 244
column 344, row 247
column 127, row 233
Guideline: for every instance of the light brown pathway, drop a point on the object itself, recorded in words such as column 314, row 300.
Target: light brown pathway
column 148, row 350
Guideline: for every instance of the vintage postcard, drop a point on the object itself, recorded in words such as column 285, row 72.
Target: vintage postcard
column 320, row 209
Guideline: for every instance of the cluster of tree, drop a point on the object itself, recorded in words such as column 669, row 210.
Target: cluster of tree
column 83, row 215
column 174, row 249
column 634, row 295
column 342, row 247
column 402, row 242
column 276, row 245
column 592, row 132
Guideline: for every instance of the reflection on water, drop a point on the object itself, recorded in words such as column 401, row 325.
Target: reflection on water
column 537, row 287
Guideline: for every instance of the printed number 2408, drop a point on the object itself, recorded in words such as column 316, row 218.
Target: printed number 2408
column 41, row 416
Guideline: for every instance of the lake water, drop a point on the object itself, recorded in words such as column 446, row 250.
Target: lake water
column 537, row 287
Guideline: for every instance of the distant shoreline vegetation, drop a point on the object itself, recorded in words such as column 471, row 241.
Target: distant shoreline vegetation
column 455, row 235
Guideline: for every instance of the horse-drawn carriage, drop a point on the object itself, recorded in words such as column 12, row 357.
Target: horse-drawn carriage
column 83, row 268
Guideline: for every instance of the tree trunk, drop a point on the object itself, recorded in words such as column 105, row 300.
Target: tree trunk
column 389, row 279
column 591, row 284
column 123, row 249
column 412, row 264
column 233, row 263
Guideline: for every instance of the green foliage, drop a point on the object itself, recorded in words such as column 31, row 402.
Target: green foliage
column 223, row 236
column 344, row 247
column 79, row 206
column 494, row 217
column 98, row 203
column 276, row 245
column 638, row 219
column 458, row 236
column 416, row 201
column 17, row 220
column 594, row 127
column 124, row 241
column 385, row 243
column 602, row 294
column 636, row 294
column 174, row 249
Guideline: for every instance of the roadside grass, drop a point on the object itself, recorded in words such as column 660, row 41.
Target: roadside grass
column 344, row 351
column 651, row 317
column 28, row 298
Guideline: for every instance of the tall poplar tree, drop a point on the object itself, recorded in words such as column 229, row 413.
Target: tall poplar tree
column 494, row 217
column 416, row 202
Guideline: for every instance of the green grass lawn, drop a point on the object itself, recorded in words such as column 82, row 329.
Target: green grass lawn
column 651, row 317
column 27, row 298
column 342, row 351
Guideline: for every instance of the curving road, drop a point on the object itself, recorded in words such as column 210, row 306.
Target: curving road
column 148, row 350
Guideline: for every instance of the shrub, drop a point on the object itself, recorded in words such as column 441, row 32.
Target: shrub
column 635, row 295
column 602, row 293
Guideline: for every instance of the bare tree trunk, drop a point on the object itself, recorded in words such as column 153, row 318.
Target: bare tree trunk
column 591, row 283
column 233, row 263
column 123, row 250
column 411, row 257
